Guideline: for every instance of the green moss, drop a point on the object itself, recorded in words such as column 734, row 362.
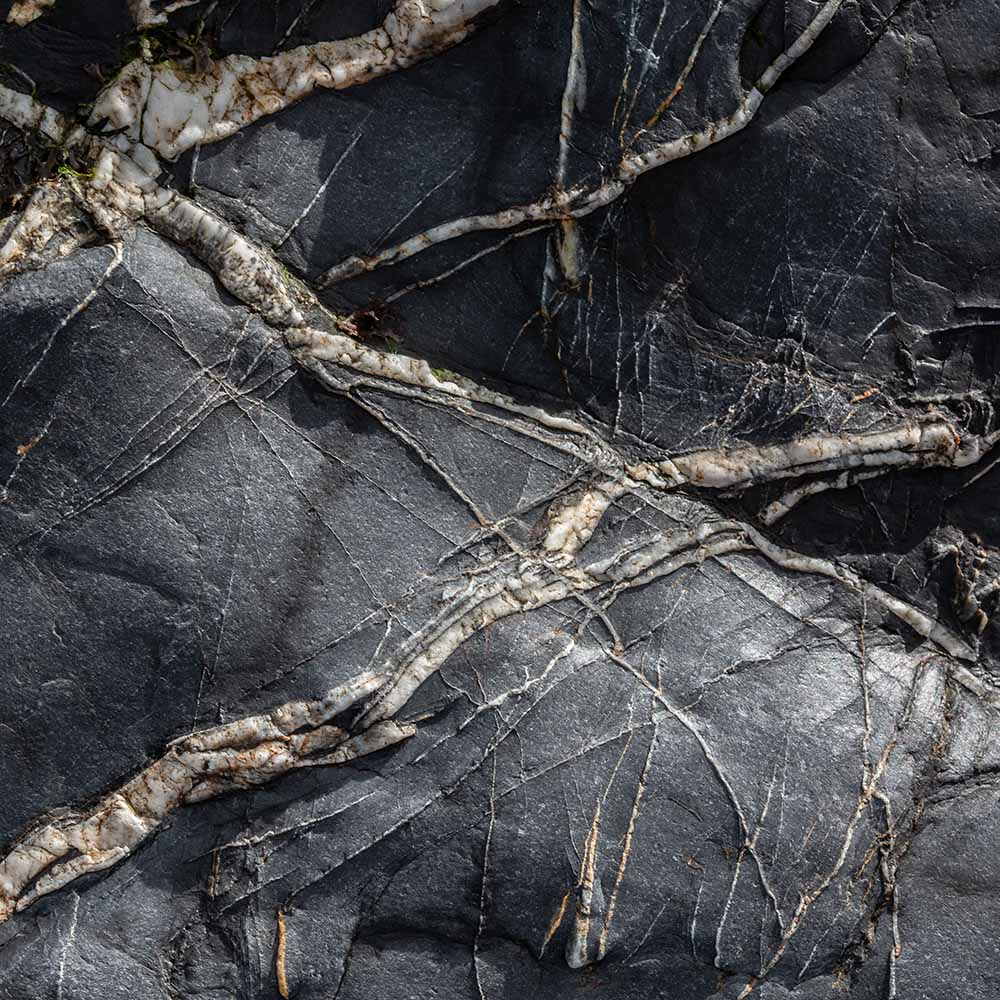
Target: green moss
column 65, row 170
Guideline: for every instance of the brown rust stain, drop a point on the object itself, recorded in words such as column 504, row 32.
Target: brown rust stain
column 23, row 449
column 664, row 104
column 279, row 959
column 861, row 397
column 556, row 921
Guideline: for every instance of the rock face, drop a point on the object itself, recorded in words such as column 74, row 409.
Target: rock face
column 497, row 499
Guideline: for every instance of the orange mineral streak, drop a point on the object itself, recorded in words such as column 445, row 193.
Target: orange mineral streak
column 279, row 959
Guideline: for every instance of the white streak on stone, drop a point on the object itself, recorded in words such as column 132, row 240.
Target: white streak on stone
column 50, row 213
column 777, row 509
column 25, row 11
column 144, row 16
column 26, row 113
column 574, row 93
column 920, row 622
column 932, row 441
column 581, row 200
column 347, row 351
column 170, row 108
column 65, row 321
column 237, row 755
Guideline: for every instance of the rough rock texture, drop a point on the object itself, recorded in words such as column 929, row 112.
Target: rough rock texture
column 497, row 499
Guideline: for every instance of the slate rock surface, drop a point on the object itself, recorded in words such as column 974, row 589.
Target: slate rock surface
column 499, row 500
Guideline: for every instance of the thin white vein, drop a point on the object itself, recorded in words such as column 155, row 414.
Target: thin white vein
column 689, row 65
column 582, row 200
column 483, row 886
column 322, row 187
column 574, row 93
column 116, row 259
column 67, row 945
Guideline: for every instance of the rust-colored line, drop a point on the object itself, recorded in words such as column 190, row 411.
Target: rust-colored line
column 279, row 959
column 664, row 104
column 556, row 921
column 23, row 449
column 626, row 851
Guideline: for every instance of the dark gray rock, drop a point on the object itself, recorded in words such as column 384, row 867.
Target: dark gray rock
column 764, row 770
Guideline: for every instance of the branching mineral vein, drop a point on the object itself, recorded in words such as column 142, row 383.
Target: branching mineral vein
column 153, row 111
column 582, row 199
column 241, row 754
column 249, row 752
